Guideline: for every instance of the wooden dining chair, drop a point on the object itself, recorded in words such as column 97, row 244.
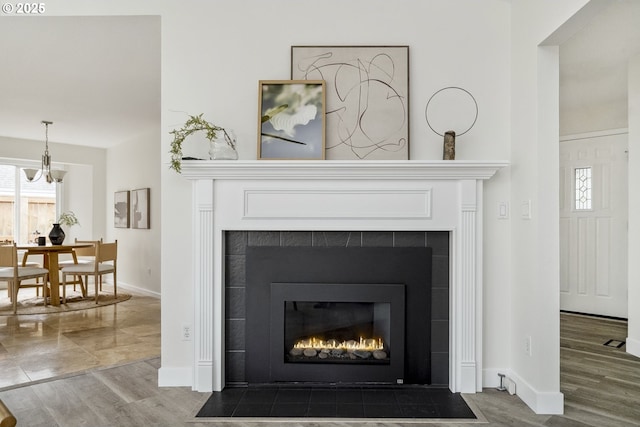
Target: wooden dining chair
column 82, row 255
column 12, row 273
column 106, row 255
column 85, row 255
column 27, row 263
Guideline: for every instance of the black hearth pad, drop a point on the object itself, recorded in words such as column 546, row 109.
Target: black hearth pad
column 336, row 402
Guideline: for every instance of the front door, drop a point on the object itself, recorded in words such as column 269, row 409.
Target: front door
column 593, row 225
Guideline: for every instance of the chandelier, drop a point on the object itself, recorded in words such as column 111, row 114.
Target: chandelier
column 45, row 169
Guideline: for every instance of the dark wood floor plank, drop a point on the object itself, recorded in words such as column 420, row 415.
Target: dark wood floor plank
column 132, row 382
column 64, row 404
column 27, row 407
column 599, row 382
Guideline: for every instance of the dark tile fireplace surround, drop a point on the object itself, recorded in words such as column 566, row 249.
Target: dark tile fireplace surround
column 236, row 243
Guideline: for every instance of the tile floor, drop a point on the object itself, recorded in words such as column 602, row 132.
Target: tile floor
column 336, row 402
column 38, row 347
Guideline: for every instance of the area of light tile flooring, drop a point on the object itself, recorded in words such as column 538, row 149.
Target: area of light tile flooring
column 37, row 347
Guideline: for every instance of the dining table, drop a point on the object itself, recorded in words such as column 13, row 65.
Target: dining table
column 51, row 254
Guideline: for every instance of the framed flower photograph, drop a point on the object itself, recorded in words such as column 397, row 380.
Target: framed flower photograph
column 367, row 98
column 121, row 209
column 291, row 119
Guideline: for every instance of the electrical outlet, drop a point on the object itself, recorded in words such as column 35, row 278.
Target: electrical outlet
column 186, row 332
column 527, row 345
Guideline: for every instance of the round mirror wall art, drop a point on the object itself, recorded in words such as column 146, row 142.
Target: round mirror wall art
column 451, row 111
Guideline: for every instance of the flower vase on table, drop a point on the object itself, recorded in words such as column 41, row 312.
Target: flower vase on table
column 56, row 235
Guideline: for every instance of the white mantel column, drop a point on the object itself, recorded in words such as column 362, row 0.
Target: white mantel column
column 467, row 309
column 205, row 309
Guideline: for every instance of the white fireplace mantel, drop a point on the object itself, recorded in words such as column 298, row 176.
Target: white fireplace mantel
column 340, row 169
column 409, row 195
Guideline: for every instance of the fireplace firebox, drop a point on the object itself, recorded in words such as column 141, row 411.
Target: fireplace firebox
column 338, row 315
column 337, row 332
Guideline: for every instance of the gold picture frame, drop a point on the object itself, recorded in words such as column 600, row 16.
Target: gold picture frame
column 291, row 119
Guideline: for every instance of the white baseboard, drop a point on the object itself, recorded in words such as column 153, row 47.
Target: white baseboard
column 175, row 377
column 633, row 347
column 134, row 289
column 548, row 403
column 138, row 290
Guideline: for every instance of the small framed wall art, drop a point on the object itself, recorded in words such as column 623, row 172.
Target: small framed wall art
column 291, row 119
column 140, row 214
column 121, row 209
column 367, row 98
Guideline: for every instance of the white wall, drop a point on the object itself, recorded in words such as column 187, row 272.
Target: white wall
column 594, row 97
column 131, row 165
column 534, row 305
column 633, row 339
column 463, row 43
column 77, row 195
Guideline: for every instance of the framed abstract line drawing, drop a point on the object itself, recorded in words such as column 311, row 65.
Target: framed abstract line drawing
column 121, row 209
column 291, row 119
column 367, row 98
column 140, row 214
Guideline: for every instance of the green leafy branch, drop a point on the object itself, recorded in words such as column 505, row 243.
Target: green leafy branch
column 68, row 218
column 192, row 125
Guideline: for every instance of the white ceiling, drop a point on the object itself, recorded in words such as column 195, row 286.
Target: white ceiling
column 98, row 78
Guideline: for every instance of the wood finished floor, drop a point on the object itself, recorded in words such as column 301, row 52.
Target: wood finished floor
column 597, row 380
column 601, row 384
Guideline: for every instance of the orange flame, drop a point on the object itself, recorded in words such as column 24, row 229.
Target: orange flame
column 368, row 344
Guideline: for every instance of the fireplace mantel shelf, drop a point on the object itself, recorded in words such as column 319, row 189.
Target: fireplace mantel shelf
column 340, row 169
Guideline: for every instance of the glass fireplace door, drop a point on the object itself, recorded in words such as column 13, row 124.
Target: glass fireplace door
column 337, row 332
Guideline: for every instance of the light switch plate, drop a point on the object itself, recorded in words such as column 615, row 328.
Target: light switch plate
column 503, row 210
column 526, row 209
